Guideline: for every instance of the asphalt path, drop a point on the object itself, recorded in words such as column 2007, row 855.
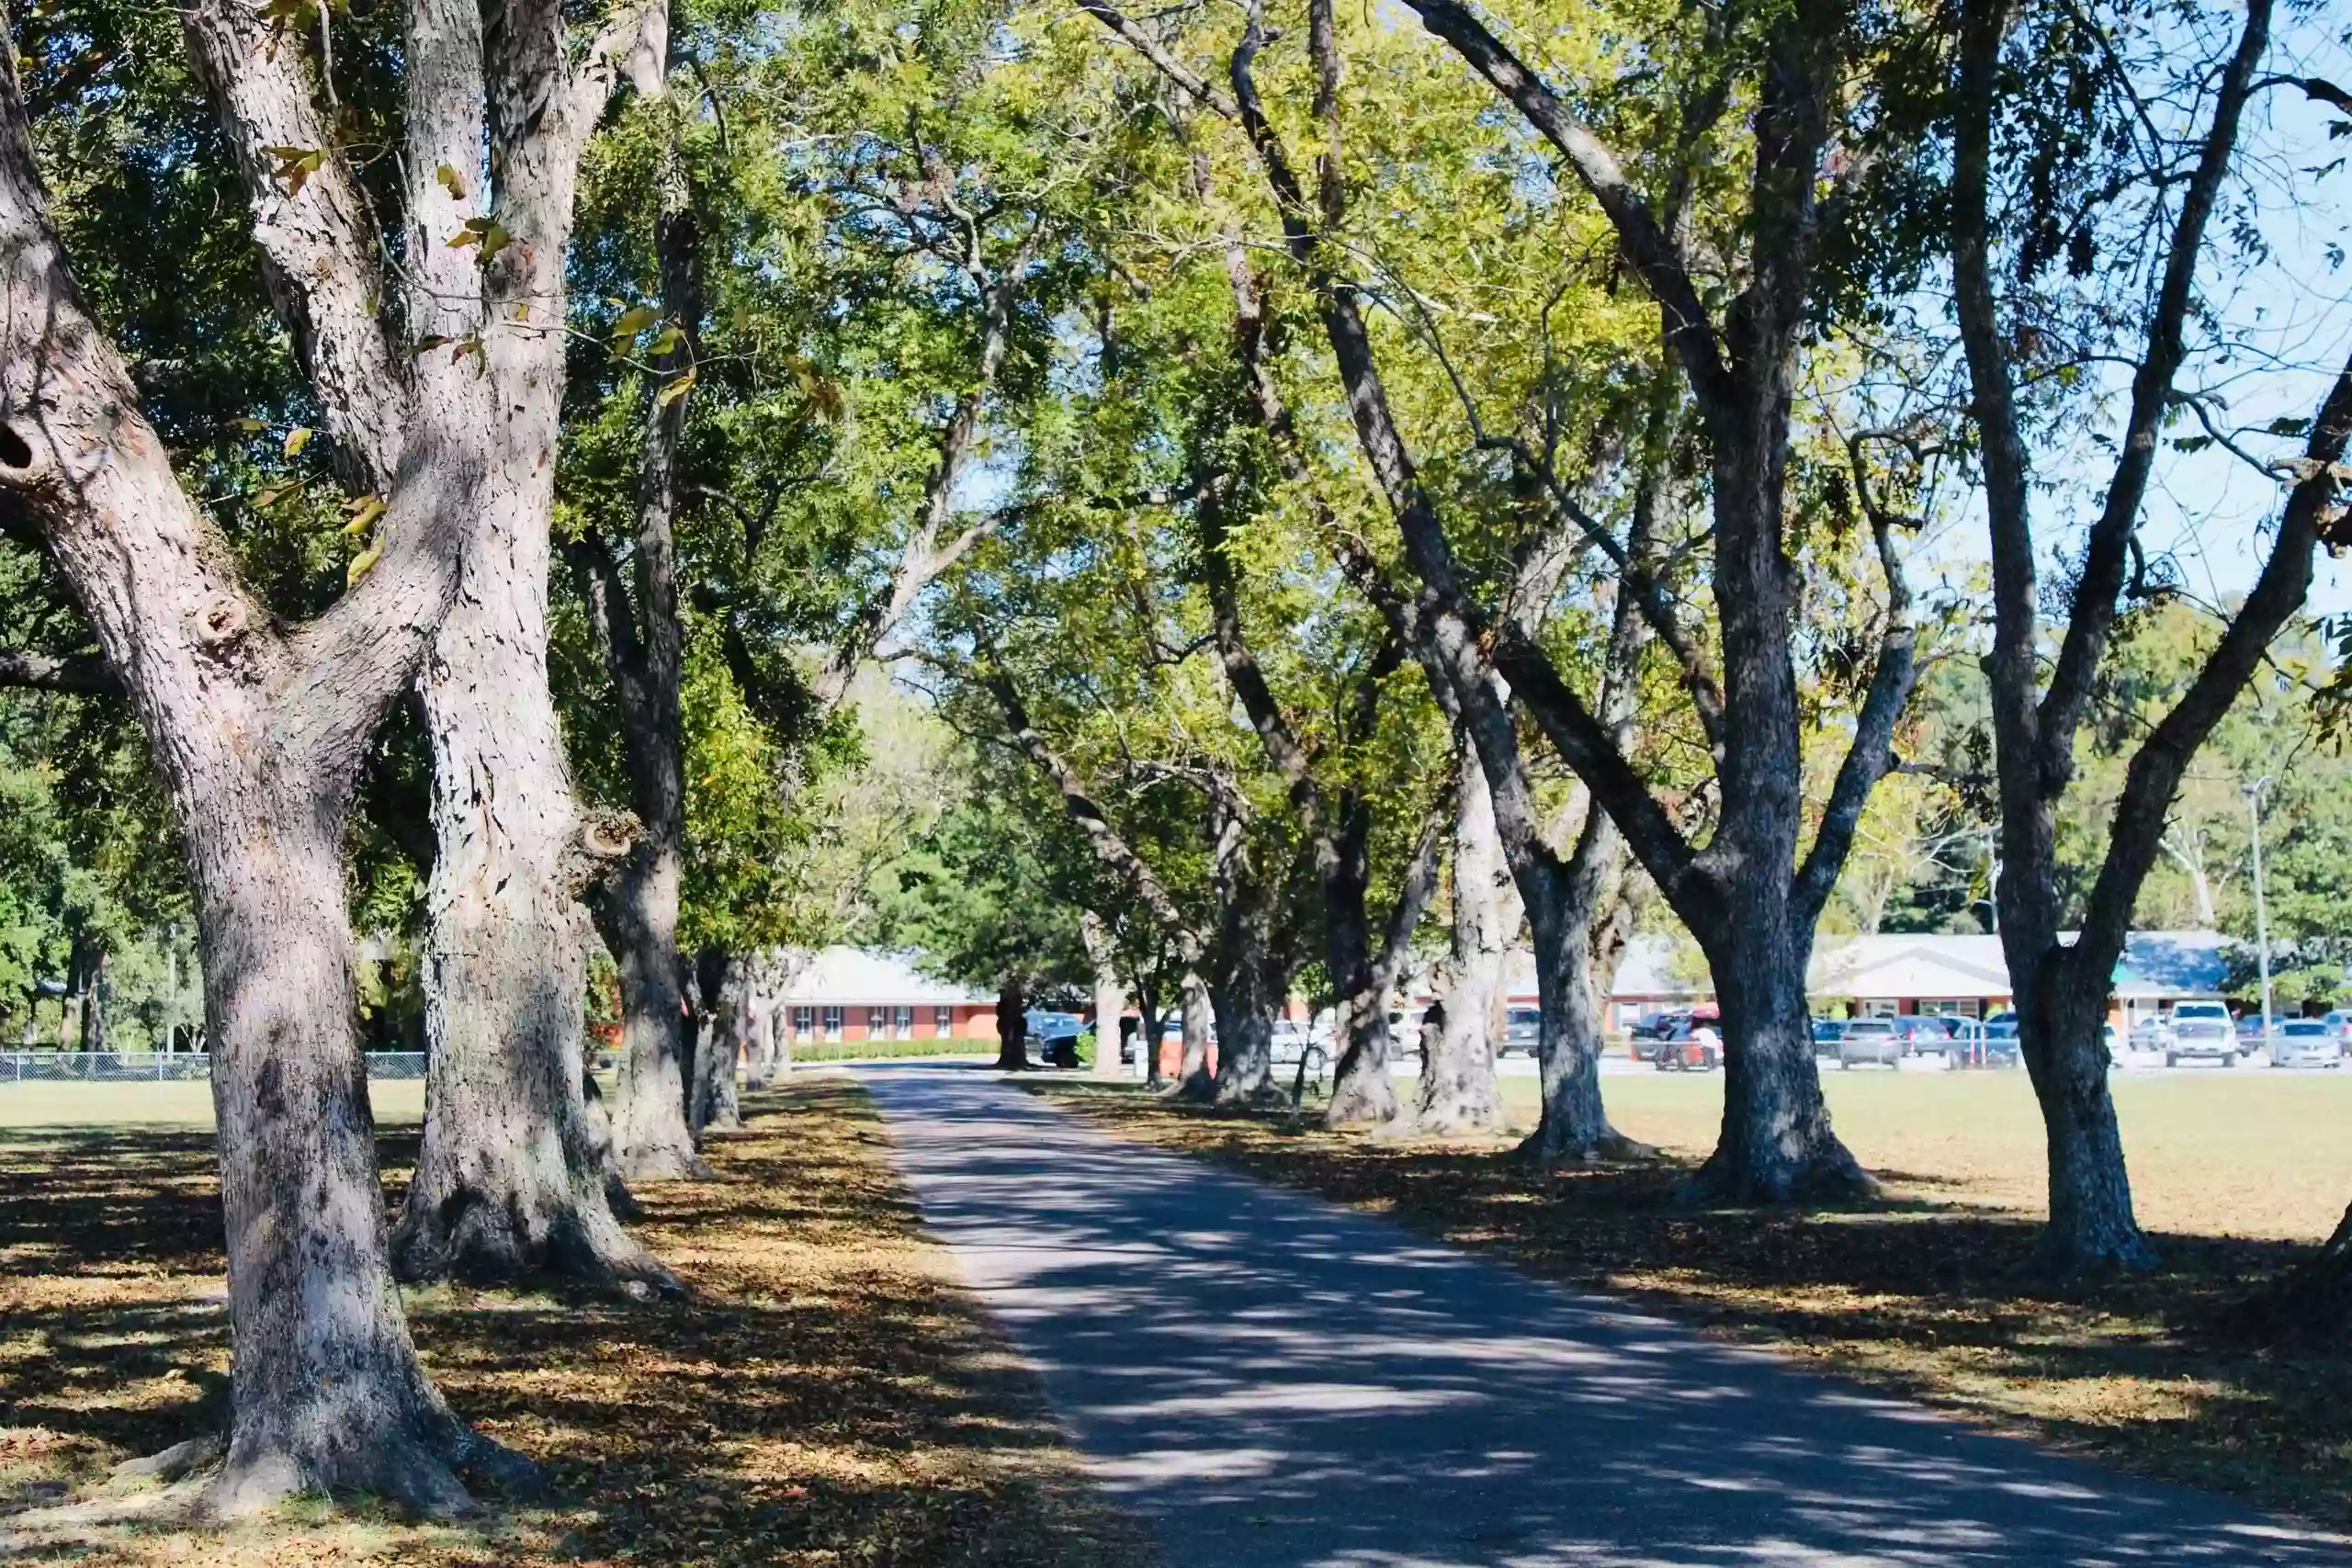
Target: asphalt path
column 1267, row 1380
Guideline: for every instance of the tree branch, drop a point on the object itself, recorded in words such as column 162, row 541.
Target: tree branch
column 1106, row 842
column 2104, row 559
column 311, row 223
column 86, row 674
column 1651, row 249
column 2313, row 516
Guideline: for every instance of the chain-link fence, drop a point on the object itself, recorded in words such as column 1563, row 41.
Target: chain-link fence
column 159, row 1067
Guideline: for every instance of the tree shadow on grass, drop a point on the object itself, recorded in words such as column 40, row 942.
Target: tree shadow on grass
column 828, row 1395
column 1935, row 1300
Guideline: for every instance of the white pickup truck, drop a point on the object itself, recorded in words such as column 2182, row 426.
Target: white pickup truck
column 2201, row 1032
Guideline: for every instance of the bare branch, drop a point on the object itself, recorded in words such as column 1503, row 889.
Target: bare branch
column 85, row 674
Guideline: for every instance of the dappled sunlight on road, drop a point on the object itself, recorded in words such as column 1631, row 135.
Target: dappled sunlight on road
column 1274, row 1381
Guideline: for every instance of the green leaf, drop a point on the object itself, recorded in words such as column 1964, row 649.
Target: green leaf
column 429, row 340
column 635, row 321
column 362, row 564
column 450, row 182
column 674, row 390
column 252, row 426
column 296, row 439
column 2193, row 444
column 2288, row 427
column 296, row 165
column 363, row 512
column 667, row 343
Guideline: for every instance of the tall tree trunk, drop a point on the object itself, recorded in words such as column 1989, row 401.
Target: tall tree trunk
column 325, row 1387
column 1013, row 1025
column 511, row 1180
column 1458, row 1093
column 2061, row 989
column 1148, row 1029
column 1776, row 1145
column 1244, row 1010
column 257, row 729
column 1193, row 1079
column 651, row 1140
column 644, row 649
column 1363, row 1092
column 721, row 1020
column 1108, row 1004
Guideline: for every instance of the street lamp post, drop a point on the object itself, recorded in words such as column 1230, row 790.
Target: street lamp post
column 2261, row 915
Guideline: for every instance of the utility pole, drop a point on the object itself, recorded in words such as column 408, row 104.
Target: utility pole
column 2261, row 915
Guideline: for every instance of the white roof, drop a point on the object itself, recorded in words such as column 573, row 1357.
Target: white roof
column 1914, row 965
column 2154, row 965
column 855, row 976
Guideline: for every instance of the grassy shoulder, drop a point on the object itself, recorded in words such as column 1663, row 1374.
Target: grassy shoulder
column 1926, row 1293
column 829, row 1396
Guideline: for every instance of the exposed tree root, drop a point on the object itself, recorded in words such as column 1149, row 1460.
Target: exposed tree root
column 201, row 1481
column 1264, row 1095
column 1828, row 1174
column 662, row 1163
column 2071, row 1259
column 490, row 1248
column 1196, row 1088
column 1544, row 1148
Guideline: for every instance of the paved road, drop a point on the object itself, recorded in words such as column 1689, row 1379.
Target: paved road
column 1271, row 1381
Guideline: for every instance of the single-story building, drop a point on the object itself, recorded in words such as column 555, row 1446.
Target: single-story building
column 849, row 993
column 1889, row 974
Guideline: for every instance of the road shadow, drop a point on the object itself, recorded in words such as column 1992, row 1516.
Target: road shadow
column 1282, row 1381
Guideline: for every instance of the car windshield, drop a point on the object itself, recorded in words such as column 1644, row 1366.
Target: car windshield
column 2303, row 1027
column 1869, row 1026
column 1525, row 1015
column 2210, row 1011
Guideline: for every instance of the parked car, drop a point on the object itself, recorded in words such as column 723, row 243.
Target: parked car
column 1663, row 1027
column 2339, row 1022
column 1870, row 1040
column 1293, row 1041
column 1972, row 1044
column 2201, row 1032
column 1523, row 1031
column 2250, row 1030
column 2150, row 1034
column 1923, row 1033
column 1825, row 1032
column 1054, row 1036
column 2304, row 1042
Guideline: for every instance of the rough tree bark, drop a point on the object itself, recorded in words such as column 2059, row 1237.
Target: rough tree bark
column 1110, row 1005
column 2061, row 989
column 1194, row 1077
column 505, row 1186
column 1458, row 1092
column 644, row 644
column 1013, row 1025
column 258, row 729
column 502, row 1186
column 722, row 1017
column 1244, row 984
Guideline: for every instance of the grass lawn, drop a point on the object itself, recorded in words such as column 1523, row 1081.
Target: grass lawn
column 2212, row 1152
column 829, row 1396
column 1928, row 1292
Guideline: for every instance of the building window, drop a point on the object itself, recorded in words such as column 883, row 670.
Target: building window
column 877, row 1022
column 906, row 1021
column 804, row 1023
column 943, row 1021
column 832, row 1023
